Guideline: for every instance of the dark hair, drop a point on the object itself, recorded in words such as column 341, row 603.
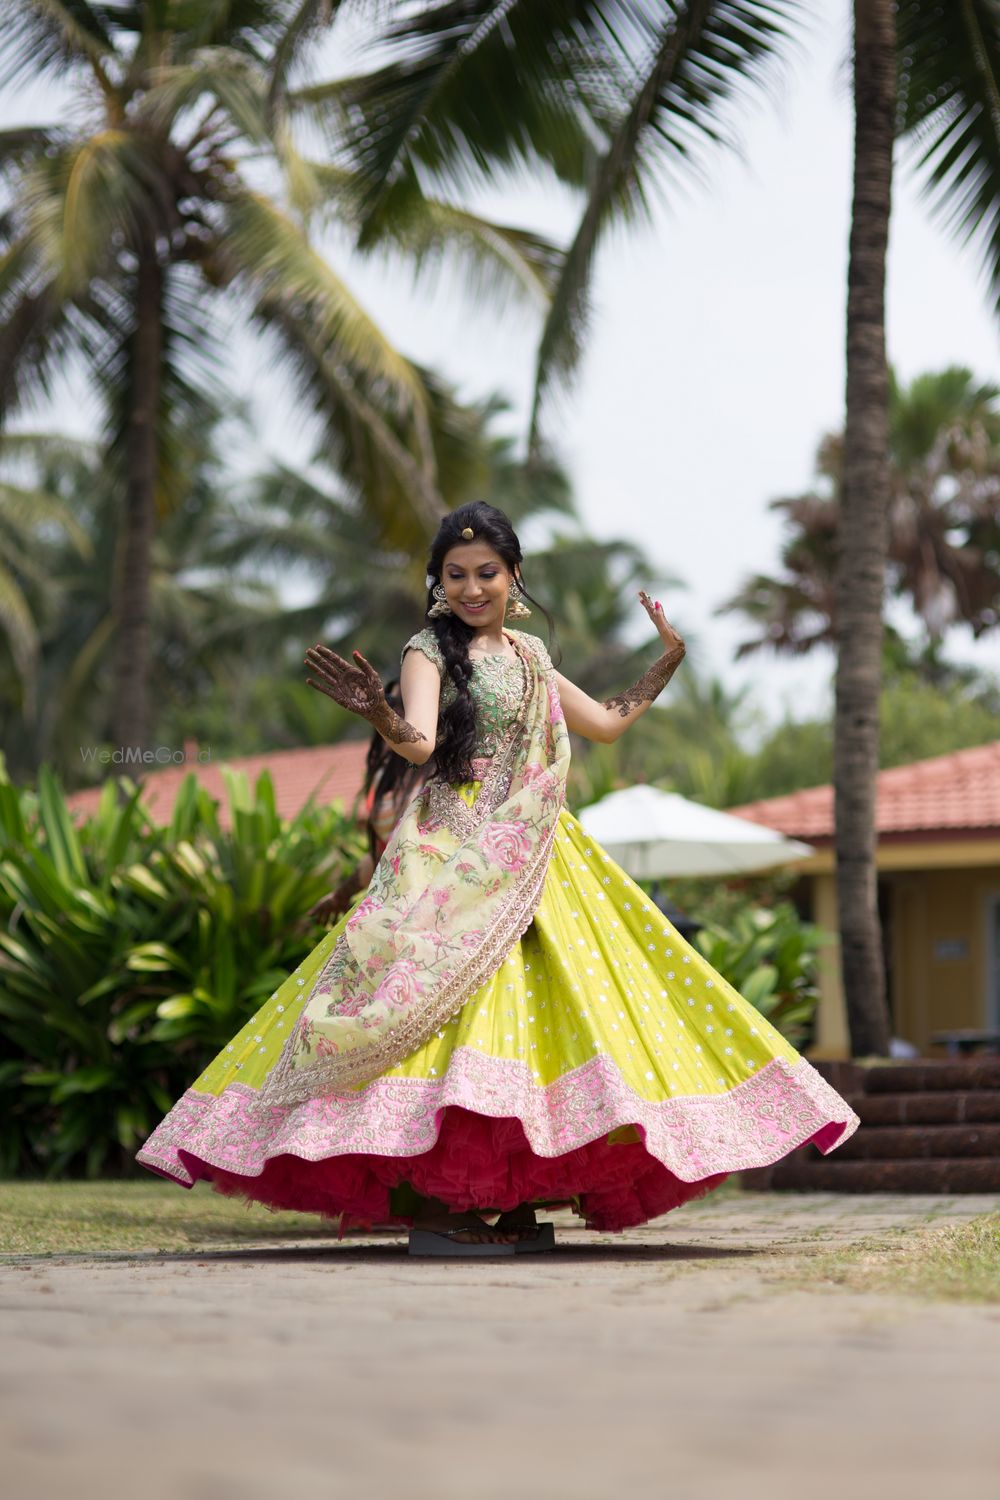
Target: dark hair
column 457, row 723
column 388, row 773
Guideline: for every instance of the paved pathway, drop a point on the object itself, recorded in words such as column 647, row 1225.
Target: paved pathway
column 670, row 1362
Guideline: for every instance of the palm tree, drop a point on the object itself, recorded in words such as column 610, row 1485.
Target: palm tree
column 122, row 231
column 862, row 530
column 60, row 527
column 943, row 555
column 35, row 521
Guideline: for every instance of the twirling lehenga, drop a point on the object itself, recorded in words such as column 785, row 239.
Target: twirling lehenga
column 505, row 1018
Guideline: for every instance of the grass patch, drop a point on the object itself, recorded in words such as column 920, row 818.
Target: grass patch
column 936, row 1262
column 45, row 1218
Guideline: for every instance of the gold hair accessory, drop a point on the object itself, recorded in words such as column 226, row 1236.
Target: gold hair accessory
column 467, row 533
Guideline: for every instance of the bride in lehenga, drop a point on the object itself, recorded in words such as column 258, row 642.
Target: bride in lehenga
column 506, row 1020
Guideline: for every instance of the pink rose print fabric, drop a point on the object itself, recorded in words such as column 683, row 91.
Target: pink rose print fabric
column 456, row 887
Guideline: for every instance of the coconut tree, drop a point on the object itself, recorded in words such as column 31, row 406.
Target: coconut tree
column 177, row 177
column 943, row 555
column 862, row 530
column 36, row 521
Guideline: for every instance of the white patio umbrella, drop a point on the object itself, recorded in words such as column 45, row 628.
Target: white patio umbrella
column 654, row 834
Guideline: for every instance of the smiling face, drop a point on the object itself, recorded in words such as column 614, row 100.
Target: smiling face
column 476, row 583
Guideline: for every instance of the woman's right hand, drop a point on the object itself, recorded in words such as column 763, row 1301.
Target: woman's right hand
column 356, row 687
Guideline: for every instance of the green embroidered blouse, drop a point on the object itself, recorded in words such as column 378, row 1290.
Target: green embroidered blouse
column 496, row 686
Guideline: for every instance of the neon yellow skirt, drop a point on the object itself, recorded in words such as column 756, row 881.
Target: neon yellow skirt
column 604, row 1063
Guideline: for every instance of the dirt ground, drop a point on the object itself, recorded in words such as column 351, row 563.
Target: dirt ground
column 679, row 1360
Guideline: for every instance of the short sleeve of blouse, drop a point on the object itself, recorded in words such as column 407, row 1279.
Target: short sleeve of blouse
column 426, row 641
column 537, row 648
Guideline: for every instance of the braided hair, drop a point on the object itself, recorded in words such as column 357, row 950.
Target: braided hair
column 457, row 724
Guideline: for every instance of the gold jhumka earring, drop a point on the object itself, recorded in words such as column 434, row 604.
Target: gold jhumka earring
column 442, row 607
column 516, row 607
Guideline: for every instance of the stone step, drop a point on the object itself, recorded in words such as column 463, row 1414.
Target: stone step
column 943, row 1107
column 899, row 1142
column 829, row 1175
column 925, row 1076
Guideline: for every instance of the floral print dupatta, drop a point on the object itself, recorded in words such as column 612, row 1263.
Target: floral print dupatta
column 457, row 885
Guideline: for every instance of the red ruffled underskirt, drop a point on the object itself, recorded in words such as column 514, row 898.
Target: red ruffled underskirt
column 476, row 1162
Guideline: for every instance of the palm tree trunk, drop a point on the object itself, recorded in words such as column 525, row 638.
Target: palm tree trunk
column 131, row 726
column 862, row 531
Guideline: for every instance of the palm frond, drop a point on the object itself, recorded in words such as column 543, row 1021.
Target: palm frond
column 708, row 52
column 48, row 38
column 220, row 74
column 950, row 106
column 115, row 190
column 22, row 143
column 309, row 18
column 21, row 633
column 362, row 435
column 441, row 104
column 270, row 258
column 25, row 509
column 427, row 234
column 37, row 329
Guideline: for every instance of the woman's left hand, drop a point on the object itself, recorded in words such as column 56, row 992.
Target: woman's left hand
column 671, row 638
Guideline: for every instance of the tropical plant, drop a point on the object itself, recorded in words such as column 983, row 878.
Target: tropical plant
column 129, row 953
column 33, row 519
column 63, row 515
column 183, row 180
column 771, row 957
column 617, row 98
column 943, row 550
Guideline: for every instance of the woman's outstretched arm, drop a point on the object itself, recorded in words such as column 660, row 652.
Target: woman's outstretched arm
column 605, row 722
column 358, row 687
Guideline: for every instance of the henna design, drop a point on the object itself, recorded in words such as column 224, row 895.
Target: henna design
column 651, row 683
column 359, row 689
column 397, row 730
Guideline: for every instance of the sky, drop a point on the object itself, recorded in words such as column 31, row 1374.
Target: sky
column 715, row 361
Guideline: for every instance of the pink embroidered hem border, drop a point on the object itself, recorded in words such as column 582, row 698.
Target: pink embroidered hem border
column 394, row 1124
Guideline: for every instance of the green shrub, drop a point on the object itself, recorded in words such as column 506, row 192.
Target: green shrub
column 130, row 954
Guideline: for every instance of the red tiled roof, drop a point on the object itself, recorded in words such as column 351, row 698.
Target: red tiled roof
column 960, row 791
column 330, row 773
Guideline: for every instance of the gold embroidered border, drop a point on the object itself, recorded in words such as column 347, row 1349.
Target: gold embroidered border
column 757, row 1122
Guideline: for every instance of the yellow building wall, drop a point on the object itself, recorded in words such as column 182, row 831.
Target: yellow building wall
column 832, row 1038
column 930, row 992
column 936, row 988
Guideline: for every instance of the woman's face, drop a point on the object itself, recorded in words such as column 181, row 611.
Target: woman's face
column 476, row 583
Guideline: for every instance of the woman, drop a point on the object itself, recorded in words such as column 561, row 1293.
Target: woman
column 506, row 1019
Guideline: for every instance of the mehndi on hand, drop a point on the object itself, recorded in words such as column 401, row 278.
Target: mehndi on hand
column 359, row 689
column 652, row 682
